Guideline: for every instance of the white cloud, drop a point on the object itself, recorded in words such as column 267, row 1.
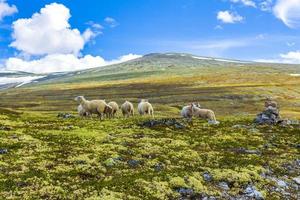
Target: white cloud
column 48, row 37
column 288, row 11
column 292, row 57
column 49, row 32
column 6, row 9
column 111, row 22
column 245, row 2
column 62, row 63
column 229, row 17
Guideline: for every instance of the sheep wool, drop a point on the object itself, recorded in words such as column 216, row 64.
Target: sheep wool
column 92, row 107
column 81, row 111
column 127, row 109
column 187, row 112
column 145, row 107
column 204, row 114
column 115, row 108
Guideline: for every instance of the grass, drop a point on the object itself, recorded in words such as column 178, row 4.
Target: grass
column 53, row 158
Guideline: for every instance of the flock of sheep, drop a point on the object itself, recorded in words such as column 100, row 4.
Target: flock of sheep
column 109, row 110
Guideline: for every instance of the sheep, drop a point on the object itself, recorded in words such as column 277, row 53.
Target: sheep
column 145, row 107
column 108, row 111
column 205, row 114
column 92, row 107
column 115, row 108
column 81, row 111
column 127, row 109
column 187, row 112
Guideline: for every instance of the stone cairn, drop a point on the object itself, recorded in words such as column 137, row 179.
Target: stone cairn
column 270, row 115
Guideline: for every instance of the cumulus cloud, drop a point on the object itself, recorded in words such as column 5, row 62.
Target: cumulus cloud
column 6, row 9
column 292, row 57
column 229, row 17
column 245, row 2
column 49, row 32
column 62, row 63
column 288, row 11
column 48, row 37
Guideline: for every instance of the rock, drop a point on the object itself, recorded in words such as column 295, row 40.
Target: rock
column 281, row 183
column 213, row 122
column 269, row 116
column 3, row 151
column 251, row 191
column 243, row 150
column 207, row 176
column 163, row 122
column 223, row 185
column 186, row 192
column 65, row 115
column 297, row 180
column 158, row 167
column 133, row 163
column 5, row 128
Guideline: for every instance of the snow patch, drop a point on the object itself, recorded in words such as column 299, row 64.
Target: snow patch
column 20, row 80
column 295, row 75
column 201, row 58
column 231, row 61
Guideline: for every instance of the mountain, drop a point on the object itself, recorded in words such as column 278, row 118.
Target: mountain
column 153, row 64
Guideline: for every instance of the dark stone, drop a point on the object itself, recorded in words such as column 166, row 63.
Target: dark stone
column 207, row 176
column 163, row 122
column 133, row 163
column 186, row 192
column 5, row 128
column 65, row 115
column 269, row 116
column 3, row 151
column 251, row 192
column 158, row 167
column 224, row 186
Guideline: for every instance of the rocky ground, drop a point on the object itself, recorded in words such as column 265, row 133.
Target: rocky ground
column 50, row 156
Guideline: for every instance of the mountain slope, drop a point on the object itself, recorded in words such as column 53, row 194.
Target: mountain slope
column 155, row 64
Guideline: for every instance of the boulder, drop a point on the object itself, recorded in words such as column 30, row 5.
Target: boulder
column 269, row 116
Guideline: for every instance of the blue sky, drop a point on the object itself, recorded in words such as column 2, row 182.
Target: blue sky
column 240, row 29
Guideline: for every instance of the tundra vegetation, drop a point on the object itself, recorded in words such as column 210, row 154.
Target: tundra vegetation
column 43, row 156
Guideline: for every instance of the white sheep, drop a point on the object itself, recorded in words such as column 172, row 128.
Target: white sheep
column 145, row 107
column 187, row 112
column 92, row 107
column 205, row 114
column 115, row 108
column 81, row 111
column 127, row 109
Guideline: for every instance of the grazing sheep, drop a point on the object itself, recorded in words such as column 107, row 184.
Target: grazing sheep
column 204, row 114
column 127, row 109
column 145, row 107
column 187, row 112
column 81, row 111
column 108, row 111
column 92, row 107
column 115, row 108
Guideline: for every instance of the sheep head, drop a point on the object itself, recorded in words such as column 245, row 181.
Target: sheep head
column 79, row 99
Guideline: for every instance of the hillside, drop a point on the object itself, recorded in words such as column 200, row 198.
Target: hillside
column 46, row 156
